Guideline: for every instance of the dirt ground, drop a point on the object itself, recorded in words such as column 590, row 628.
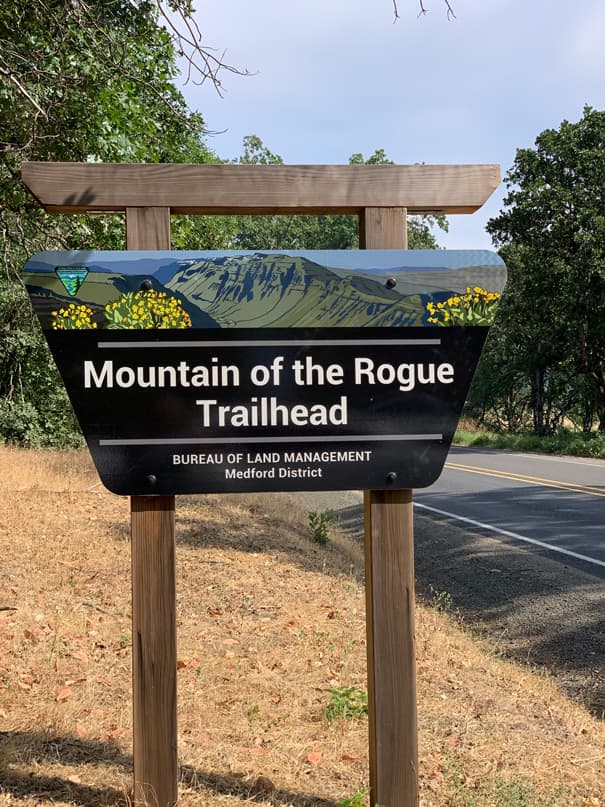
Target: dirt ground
column 535, row 609
column 271, row 631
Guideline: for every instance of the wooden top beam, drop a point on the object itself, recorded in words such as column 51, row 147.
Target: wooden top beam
column 259, row 189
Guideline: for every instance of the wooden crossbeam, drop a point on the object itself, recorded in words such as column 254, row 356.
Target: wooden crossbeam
column 259, row 189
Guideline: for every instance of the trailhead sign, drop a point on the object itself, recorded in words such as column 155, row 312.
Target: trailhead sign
column 196, row 372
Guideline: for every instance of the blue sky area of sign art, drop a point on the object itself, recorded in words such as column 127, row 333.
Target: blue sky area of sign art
column 338, row 77
column 130, row 262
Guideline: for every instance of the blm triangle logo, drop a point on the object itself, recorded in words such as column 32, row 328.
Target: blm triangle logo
column 72, row 278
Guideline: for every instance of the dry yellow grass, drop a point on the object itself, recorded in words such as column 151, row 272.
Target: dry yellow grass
column 268, row 622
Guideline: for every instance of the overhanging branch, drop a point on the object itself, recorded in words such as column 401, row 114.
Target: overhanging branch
column 424, row 10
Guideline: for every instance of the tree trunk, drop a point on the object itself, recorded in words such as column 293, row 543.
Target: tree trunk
column 537, row 400
column 599, row 397
column 593, row 368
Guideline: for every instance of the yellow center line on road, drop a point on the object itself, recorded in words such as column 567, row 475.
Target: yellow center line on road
column 530, row 480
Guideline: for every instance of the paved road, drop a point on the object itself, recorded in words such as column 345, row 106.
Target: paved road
column 557, row 502
column 555, row 505
column 517, row 542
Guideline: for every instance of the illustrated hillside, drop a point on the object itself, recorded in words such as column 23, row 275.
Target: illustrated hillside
column 279, row 290
column 254, row 289
column 48, row 293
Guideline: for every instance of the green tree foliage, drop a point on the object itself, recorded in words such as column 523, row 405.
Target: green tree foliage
column 78, row 82
column 317, row 232
column 552, row 237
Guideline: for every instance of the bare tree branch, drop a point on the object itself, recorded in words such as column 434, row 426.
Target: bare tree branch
column 424, row 10
column 202, row 61
column 11, row 77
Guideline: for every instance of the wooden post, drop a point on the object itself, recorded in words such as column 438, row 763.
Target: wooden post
column 389, row 568
column 153, row 601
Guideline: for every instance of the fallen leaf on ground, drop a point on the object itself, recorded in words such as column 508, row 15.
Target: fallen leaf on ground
column 114, row 731
column 200, row 738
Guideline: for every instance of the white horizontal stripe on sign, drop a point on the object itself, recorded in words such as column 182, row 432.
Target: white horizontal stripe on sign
column 274, row 343
column 183, row 441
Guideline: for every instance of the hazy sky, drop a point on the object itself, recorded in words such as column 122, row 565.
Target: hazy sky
column 335, row 77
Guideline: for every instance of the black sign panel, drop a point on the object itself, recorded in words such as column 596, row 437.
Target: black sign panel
column 291, row 410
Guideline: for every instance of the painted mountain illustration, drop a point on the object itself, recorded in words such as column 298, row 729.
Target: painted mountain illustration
column 436, row 280
column 297, row 289
column 280, row 290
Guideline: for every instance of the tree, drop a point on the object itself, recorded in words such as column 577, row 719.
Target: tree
column 552, row 234
column 78, row 81
column 525, row 377
column 317, row 232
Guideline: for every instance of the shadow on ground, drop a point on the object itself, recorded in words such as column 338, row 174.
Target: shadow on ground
column 531, row 606
column 20, row 779
column 269, row 523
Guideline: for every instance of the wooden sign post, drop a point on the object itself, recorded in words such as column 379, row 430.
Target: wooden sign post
column 153, row 600
column 382, row 196
column 389, row 576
